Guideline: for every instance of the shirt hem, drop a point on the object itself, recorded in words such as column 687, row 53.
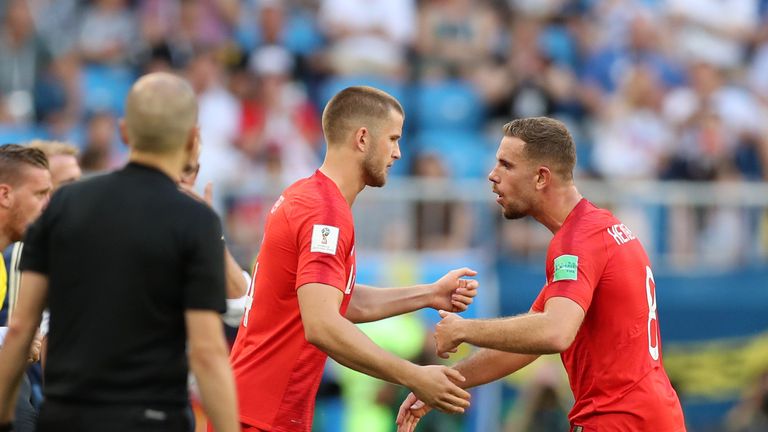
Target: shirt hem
column 254, row 423
column 319, row 280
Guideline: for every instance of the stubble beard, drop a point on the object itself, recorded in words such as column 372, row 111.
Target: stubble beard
column 373, row 175
column 16, row 226
column 512, row 213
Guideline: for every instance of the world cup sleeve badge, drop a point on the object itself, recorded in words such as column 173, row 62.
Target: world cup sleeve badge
column 325, row 239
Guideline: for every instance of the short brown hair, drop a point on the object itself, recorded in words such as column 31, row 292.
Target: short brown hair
column 14, row 157
column 546, row 140
column 54, row 148
column 353, row 106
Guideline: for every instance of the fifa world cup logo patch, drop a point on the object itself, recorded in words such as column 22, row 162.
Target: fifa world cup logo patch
column 325, row 233
column 325, row 238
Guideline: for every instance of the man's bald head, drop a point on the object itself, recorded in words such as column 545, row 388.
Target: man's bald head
column 160, row 113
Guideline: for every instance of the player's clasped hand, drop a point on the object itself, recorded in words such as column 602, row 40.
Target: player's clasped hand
column 411, row 411
column 35, row 349
column 453, row 293
column 448, row 334
column 436, row 386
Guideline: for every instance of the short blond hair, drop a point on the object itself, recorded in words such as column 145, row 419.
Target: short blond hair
column 13, row 159
column 54, row 148
column 354, row 107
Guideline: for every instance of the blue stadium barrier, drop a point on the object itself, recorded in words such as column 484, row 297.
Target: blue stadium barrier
column 466, row 154
column 453, row 105
column 335, row 84
column 105, row 88
column 13, row 134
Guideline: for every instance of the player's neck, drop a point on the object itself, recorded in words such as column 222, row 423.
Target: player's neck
column 347, row 179
column 557, row 206
column 169, row 165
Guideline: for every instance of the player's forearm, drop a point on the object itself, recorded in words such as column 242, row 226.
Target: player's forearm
column 372, row 304
column 236, row 283
column 487, row 365
column 346, row 344
column 533, row 333
column 217, row 387
column 13, row 360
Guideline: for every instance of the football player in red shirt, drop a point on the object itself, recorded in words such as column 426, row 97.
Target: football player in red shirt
column 597, row 308
column 303, row 300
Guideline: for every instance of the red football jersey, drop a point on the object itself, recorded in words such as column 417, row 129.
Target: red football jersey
column 614, row 364
column 309, row 237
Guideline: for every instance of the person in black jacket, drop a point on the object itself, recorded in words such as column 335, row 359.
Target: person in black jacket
column 132, row 271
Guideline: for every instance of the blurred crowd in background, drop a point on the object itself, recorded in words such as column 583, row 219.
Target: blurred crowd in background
column 651, row 90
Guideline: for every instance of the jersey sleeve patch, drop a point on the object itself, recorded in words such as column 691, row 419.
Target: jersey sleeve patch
column 566, row 268
column 325, row 239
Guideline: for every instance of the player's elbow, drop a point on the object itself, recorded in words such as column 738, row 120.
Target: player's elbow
column 236, row 287
column 22, row 328
column 559, row 337
column 559, row 341
column 559, row 330
column 318, row 333
column 356, row 313
column 553, row 338
column 203, row 356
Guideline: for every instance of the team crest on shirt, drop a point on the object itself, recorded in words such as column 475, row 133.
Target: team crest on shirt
column 566, row 268
column 325, row 238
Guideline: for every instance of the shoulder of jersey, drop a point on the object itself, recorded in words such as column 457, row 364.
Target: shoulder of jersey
column 312, row 191
column 591, row 223
column 598, row 217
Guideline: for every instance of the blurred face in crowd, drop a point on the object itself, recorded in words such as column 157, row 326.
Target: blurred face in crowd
column 18, row 18
column 202, row 71
column 429, row 165
column 514, row 179
column 705, row 78
column 271, row 88
column 642, row 34
column 641, row 89
column 64, row 170
column 111, row 5
column 271, row 22
column 383, row 149
column 101, row 131
column 26, row 201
